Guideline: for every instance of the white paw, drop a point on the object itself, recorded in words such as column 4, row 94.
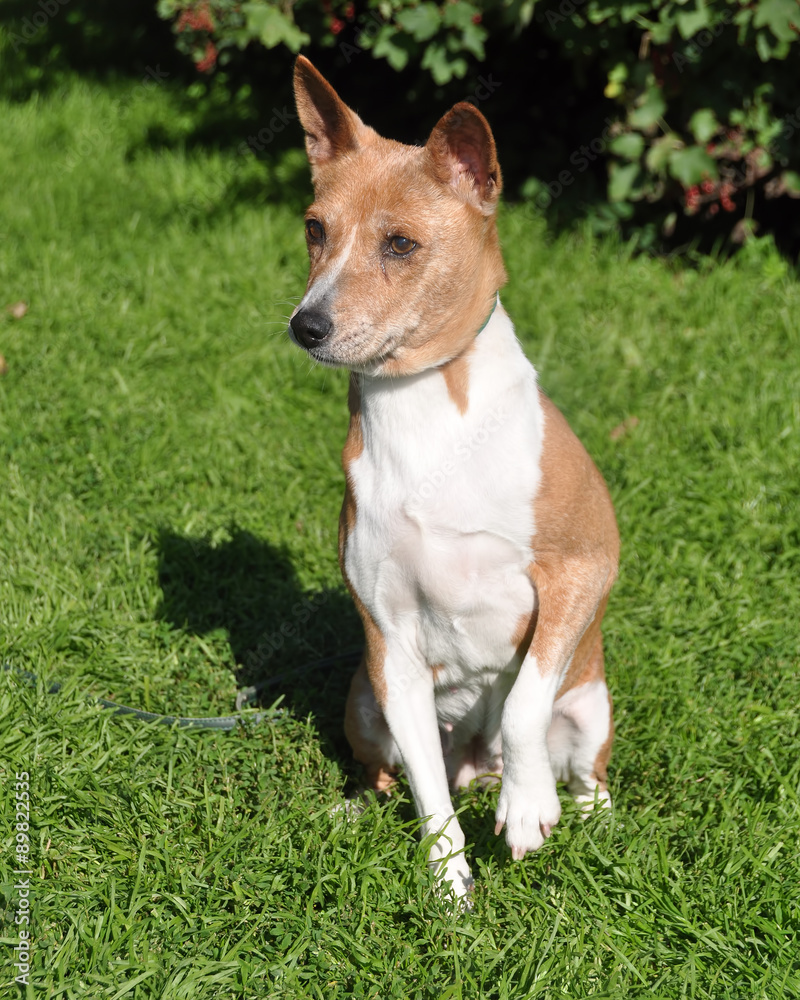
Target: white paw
column 454, row 876
column 528, row 817
column 447, row 860
column 589, row 801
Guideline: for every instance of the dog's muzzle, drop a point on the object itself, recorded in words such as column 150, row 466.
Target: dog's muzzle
column 310, row 328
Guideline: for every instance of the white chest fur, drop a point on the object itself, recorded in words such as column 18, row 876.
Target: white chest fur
column 444, row 510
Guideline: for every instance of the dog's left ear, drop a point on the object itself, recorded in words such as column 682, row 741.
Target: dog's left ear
column 463, row 152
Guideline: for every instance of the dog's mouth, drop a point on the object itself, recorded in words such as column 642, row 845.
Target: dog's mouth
column 314, row 332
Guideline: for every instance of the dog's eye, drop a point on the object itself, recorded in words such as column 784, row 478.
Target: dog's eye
column 315, row 231
column 401, row 246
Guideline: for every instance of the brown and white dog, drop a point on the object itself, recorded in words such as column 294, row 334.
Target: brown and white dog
column 477, row 537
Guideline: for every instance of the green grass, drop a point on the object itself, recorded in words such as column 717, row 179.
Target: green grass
column 169, row 492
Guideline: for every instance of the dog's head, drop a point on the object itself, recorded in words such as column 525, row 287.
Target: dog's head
column 405, row 260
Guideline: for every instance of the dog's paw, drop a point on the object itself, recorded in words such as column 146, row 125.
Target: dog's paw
column 589, row 802
column 454, row 878
column 528, row 818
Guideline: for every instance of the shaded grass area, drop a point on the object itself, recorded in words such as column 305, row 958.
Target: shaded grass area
column 169, row 493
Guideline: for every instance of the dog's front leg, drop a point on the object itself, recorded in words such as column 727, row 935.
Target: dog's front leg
column 409, row 707
column 528, row 805
column 571, row 599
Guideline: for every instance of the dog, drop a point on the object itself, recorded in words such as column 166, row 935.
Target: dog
column 477, row 538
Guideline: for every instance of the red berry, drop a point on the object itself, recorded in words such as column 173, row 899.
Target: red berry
column 209, row 60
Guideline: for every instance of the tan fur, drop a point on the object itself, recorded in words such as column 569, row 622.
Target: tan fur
column 576, row 550
column 456, row 378
column 457, row 258
column 380, row 775
column 436, row 669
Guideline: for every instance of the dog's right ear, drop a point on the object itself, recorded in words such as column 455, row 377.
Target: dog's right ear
column 331, row 127
column 463, row 153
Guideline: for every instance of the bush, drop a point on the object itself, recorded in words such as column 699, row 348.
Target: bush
column 439, row 36
column 704, row 98
column 708, row 99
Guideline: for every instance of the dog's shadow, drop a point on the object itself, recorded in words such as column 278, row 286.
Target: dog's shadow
column 248, row 588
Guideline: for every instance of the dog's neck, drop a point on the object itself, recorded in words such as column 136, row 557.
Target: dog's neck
column 444, row 399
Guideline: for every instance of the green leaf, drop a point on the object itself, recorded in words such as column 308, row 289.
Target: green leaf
column 779, row 16
column 663, row 30
column 691, row 21
column 598, row 12
column 459, row 14
column 441, row 67
column 616, row 80
column 272, row 27
column 618, row 73
column 763, row 46
column 658, row 155
column 628, row 146
column 791, row 180
column 649, row 111
column 472, row 39
column 386, row 47
column 621, row 180
column 630, row 11
column 704, row 125
column 691, row 165
column 421, row 22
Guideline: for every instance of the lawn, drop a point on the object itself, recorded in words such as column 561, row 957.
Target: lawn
column 169, row 494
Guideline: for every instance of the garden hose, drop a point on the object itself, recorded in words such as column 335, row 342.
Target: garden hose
column 245, row 696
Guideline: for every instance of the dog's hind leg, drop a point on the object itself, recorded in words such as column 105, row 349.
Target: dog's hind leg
column 368, row 734
column 580, row 735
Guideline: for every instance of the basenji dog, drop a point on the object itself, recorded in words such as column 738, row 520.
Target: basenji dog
column 477, row 538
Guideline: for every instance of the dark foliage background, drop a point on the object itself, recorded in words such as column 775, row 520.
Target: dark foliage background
column 679, row 121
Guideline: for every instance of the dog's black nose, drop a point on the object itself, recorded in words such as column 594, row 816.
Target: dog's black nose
column 310, row 328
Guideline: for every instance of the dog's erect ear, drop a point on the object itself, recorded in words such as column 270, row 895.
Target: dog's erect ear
column 464, row 155
column 331, row 127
